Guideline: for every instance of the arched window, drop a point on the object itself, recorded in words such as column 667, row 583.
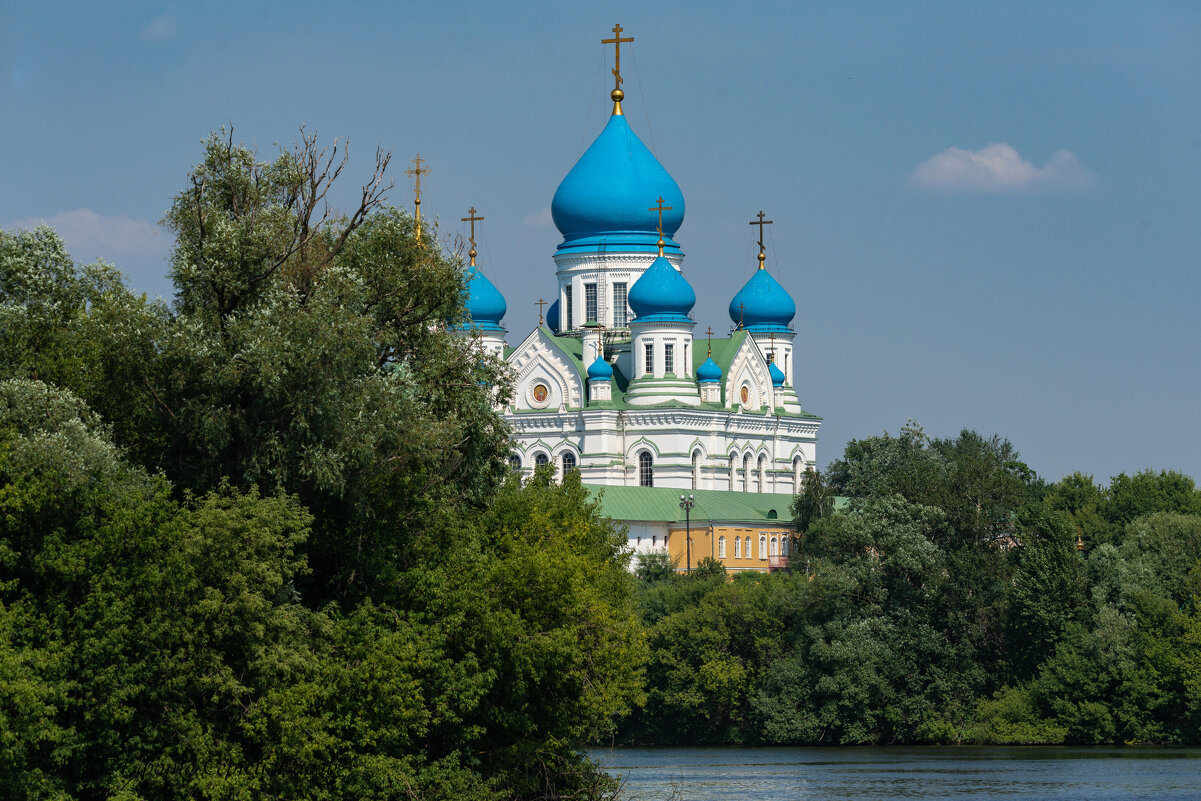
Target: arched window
column 541, row 459
column 762, row 546
column 762, row 473
column 721, row 547
column 746, row 473
column 568, row 462
column 696, row 469
column 784, row 544
column 796, row 476
column 733, row 473
column 746, row 548
column 737, row 548
column 775, row 546
column 514, row 461
column 646, row 472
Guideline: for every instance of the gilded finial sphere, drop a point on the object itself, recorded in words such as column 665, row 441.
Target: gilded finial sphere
column 762, row 256
column 472, row 253
column 617, row 95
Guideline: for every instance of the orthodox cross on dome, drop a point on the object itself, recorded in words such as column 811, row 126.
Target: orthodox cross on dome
column 709, row 346
column 660, row 208
column 473, row 219
column 771, row 354
column 416, row 171
column 741, row 309
column 540, row 304
column 761, row 222
column 617, row 94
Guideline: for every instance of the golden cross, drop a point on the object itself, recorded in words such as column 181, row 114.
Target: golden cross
column 540, row 304
column 771, row 354
column 616, row 41
column 473, row 219
column 741, row 307
column 761, row 222
column 660, row 208
column 709, row 334
column 417, row 172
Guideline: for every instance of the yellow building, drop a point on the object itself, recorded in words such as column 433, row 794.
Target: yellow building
column 742, row 530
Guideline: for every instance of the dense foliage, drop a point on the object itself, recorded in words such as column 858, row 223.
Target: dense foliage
column 955, row 598
column 261, row 543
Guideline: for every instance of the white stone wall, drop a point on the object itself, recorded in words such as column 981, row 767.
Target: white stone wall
column 607, row 442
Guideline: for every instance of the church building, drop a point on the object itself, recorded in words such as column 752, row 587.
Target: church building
column 616, row 382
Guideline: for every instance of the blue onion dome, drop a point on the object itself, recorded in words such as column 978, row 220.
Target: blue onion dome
column 708, row 372
column 600, row 370
column 552, row 316
column 765, row 305
column 485, row 304
column 661, row 292
column 604, row 201
column 777, row 375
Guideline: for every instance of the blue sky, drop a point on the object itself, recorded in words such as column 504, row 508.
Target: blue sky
column 987, row 212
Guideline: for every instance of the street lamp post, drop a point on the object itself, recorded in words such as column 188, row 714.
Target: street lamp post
column 686, row 504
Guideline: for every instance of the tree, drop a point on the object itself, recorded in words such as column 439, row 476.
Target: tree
column 1080, row 497
column 1047, row 591
column 815, row 501
column 1146, row 491
column 266, row 547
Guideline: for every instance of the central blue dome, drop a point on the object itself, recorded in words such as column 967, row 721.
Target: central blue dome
column 661, row 292
column 603, row 201
column 762, row 304
column 485, row 304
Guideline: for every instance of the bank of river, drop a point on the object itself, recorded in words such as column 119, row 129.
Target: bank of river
column 977, row 773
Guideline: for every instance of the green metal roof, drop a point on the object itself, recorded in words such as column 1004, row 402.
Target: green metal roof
column 662, row 504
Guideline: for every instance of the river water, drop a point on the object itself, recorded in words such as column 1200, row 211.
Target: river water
column 882, row 774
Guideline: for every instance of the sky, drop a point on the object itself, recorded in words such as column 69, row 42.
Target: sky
column 986, row 212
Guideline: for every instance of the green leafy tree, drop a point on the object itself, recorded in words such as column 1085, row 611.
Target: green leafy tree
column 267, row 548
column 815, row 501
column 1146, row 491
column 1048, row 590
column 1087, row 504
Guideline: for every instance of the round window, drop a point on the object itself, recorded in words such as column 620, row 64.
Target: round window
column 745, row 394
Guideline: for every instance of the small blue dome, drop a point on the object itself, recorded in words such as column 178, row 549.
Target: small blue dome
column 661, row 290
column 552, row 316
column 485, row 304
column 600, row 370
column 708, row 372
column 766, row 306
column 777, row 375
column 604, row 200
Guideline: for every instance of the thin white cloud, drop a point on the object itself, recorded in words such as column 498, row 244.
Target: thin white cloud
column 159, row 29
column 540, row 219
column 89, row 235
column 998, row 168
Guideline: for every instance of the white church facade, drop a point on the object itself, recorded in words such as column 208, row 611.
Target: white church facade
column 616, row 382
